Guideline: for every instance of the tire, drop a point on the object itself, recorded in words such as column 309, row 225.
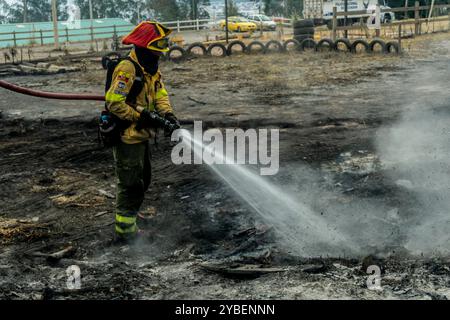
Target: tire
column 344, row 41
column 303, row 23
column 256, row 44
column 302, row 31
column 380, row 42
column 164, row 57
column 392, row 45
column 217, row 45
column 293, row 41
column 236, row 43
column 174, row 49
column 308, row 44
column 196, row 45
column 107, row 57
column 318, row 21
column 277, row 44
column 358, row 42
column 322, row 42
column 303, row 37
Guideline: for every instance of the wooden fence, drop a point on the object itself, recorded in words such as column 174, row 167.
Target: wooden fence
column 398, row 24
column 92, row 33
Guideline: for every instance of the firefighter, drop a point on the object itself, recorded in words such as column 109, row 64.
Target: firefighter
column 131, row 154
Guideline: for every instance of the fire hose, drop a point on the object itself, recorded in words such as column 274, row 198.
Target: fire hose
column 50, row 95
column 75, row 96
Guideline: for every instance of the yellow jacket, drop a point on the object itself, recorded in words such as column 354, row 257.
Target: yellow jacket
column 153, row 97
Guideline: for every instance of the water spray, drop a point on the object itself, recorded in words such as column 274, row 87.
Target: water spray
column 300, row 230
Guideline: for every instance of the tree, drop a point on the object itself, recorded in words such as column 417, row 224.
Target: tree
column 4, row 9
column 164, row 10
column 273, row 8
column 30, row 11
column 35, row 11
column 25, row 11
column 126, row 9
column 293, row 8
column 233, row 10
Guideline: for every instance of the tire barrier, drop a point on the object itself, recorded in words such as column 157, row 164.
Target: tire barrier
column 304, row 31
column 308, row 44
column 379, row 42
column 217, row 45
column 303, row 37
column 294, row 42
column 196, row 45
column 307, row 23
column 256, row 44
column 274, row 43
column 236, row 43
column 178, row 54
column 360, row 42
column 392, row 45
column 286, row 46
column 326, row 44
column 178, row 49
column 345, row 42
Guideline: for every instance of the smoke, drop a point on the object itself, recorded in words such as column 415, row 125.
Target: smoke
column 415, row 153
column 313, row 218
column 364, row 226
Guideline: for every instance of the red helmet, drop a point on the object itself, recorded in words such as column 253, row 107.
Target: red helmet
column 149, row 35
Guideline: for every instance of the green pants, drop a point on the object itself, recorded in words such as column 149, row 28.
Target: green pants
column 133, row 172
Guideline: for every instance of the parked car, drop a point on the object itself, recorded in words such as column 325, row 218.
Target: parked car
column 357, row 5
column 238, row 24
column 267, row 23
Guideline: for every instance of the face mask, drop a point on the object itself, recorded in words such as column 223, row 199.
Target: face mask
column 147, row 59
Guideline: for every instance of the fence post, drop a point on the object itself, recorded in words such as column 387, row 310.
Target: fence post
column 334, row 23
column 115, row 40
column 67, row 34
column 378, row 22
column 42, row 37
column 400, row 38
column 14, row 37
column 198, row 25
column 178, row 25
column 416, row 18
column 92, row 33
column 448, row 28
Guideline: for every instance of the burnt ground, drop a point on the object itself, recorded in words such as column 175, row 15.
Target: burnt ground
column 57, row 183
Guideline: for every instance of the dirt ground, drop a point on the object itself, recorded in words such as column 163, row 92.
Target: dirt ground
column 57, row 185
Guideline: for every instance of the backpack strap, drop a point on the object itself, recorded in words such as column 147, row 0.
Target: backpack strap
column 138, row 83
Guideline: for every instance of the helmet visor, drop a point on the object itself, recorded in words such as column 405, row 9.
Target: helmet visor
column 161, row 45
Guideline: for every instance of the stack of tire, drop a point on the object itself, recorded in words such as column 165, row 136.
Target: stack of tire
column 303, row 29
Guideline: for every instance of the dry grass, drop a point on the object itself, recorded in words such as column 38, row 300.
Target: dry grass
column 12, row 230
column 73, row 189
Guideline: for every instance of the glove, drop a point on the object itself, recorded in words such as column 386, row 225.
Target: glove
column 175, row 124
column 146, row 120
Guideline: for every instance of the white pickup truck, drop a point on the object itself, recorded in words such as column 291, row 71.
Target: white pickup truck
column 323, row 9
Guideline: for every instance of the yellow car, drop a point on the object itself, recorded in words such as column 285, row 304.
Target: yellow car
column 238, row 24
